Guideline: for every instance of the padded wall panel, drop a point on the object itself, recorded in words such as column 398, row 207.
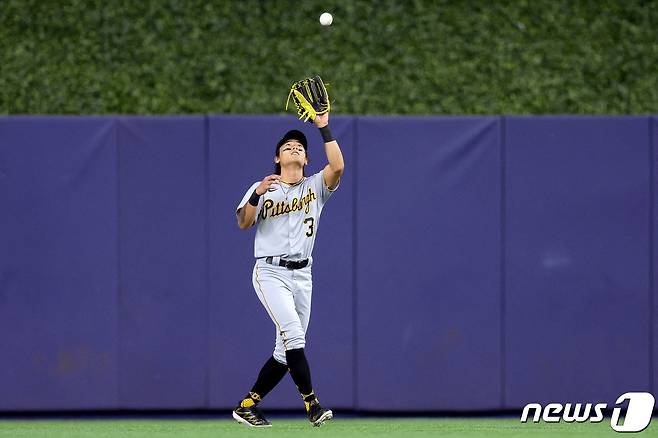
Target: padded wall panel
column 163, row 294
column 58, row 263
column 577, row 250
column 242, row 335
column 428, row 263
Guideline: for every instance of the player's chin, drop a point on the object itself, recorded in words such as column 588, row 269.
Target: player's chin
column 295, row 161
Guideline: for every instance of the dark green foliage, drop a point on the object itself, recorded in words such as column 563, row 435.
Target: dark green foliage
column 379, row 57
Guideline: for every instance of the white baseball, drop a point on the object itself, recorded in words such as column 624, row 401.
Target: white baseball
column 326, row 19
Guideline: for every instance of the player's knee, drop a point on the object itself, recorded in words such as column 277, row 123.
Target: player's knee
column 293, row 337
column 296, row 341
column 280, row 356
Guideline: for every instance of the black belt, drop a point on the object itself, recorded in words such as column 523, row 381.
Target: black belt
column 290, row 264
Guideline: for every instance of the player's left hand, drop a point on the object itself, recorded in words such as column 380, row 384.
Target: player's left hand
column 321, row 121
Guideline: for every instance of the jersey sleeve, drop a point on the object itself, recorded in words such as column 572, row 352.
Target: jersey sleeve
column 246, row 197
column 321, row 188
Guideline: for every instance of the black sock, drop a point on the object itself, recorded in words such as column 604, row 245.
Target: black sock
column 300, row 372
column 268, row 377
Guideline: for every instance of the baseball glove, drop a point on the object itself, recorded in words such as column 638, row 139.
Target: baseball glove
column 310, row 97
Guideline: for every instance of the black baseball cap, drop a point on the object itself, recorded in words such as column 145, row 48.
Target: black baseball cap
column 293, row 134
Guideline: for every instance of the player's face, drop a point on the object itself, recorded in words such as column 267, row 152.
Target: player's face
column 292, row 152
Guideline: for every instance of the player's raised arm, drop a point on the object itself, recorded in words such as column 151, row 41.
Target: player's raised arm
column 333, row 170
column 246, row 215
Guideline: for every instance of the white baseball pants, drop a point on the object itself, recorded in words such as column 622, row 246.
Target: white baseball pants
column 286, row 295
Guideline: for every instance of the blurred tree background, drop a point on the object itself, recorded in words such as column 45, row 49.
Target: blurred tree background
column 379, row 57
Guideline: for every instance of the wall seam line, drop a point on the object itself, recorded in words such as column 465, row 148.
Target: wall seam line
column 119, row 300
column 503, row 265
column 206, row 182
column 652, row 243
column 355, row 338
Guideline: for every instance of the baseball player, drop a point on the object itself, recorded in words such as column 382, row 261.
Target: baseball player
column 286, row 208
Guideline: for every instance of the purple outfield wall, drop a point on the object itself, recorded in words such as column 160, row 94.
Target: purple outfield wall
column 483, row 262
column 577, row 258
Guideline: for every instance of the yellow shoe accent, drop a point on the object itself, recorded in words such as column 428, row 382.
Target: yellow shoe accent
column 310, row 397
column 247, row 403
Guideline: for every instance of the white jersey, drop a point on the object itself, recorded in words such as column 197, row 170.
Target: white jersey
column 287, row 218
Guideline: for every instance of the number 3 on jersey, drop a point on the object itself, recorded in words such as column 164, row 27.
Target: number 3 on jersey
column 309, row 232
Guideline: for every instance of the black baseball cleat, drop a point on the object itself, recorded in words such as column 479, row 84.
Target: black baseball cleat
column 318, row 415
column 252, row 417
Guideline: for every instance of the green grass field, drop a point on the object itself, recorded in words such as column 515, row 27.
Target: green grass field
column 375, row 427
